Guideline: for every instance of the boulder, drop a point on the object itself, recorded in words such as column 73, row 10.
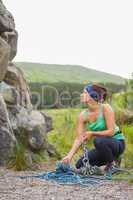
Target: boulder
column 11, row 38
column 9, row 93
column 6, row 19
column 4, row 57
column 52, row 151
column 14, row 76
column 7, row 138
column 36, row 139
column 48, row 121
column 30, row 125
column 29, row 119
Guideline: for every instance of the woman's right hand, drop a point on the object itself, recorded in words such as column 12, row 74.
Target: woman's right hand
column 67, row 159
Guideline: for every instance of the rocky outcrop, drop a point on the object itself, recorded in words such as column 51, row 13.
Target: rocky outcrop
column 8, row 39
column 4, row 57
column 18, row 121
column 7, row 138
column 15, row 78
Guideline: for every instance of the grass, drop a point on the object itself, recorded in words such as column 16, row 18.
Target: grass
column 64, row 123
column 128, row 155
column 36, row 72
column 18, row 161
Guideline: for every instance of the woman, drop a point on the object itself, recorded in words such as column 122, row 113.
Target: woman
column 97, row 121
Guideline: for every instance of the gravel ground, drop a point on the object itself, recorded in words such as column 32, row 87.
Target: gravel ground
column 14, row 188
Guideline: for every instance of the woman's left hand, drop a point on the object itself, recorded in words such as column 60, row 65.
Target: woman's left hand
column 86, row 136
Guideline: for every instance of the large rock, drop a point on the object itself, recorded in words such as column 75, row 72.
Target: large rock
column 4, row 57
column 30, row 124
column 7, row 138
column 14, row 76
column 9, row 93
column 30, row 119
column 11, row 38
column 6, row 19
column 8, row 39
column 48, row 121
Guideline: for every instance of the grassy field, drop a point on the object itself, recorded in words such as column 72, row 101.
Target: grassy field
column 49, row 73
column 64, row 124
column 62, row 137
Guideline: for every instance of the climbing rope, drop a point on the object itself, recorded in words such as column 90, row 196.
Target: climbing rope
column 65, row 174
column 85, row 176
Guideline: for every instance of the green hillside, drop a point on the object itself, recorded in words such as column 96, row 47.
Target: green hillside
column 36, row 72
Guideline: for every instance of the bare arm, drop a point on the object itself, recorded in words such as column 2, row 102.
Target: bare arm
column 79, row 131
column 78, row 140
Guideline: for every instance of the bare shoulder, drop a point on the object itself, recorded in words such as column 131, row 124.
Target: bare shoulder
column 109, row 114
column 83, row 115
column 107, row 108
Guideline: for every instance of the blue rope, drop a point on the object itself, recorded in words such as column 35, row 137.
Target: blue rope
column 64, row 174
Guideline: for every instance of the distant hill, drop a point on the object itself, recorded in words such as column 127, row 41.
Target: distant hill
column 36, row 72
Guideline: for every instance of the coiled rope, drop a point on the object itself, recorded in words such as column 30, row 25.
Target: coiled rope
column 66, row 174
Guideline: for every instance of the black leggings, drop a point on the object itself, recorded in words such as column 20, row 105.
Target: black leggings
column 106, row 150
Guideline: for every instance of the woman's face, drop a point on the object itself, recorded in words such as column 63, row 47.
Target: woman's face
column 86, row 98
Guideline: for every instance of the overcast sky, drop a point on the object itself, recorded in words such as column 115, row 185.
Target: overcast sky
column 94, row 33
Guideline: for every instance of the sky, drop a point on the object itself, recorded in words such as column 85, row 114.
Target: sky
column 94, row 33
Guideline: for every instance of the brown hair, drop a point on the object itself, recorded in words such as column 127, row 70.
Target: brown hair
column 102, row 91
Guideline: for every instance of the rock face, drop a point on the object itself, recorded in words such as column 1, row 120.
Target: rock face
column 15, row 78
column 7, row 138
column 18, row 120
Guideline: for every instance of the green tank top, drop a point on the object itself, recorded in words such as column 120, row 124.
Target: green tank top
column 100, row 125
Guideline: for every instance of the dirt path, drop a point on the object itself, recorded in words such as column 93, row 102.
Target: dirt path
column 14, row 188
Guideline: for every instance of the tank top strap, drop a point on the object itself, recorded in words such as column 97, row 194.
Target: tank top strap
column 101, row 110
column 85, row 114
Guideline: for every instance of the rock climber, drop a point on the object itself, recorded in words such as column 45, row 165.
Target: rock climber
column 98, row 122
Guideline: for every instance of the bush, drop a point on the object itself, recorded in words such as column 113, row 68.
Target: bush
column 128, row 154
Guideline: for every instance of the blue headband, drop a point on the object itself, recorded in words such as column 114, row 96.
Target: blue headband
column 94, row 94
